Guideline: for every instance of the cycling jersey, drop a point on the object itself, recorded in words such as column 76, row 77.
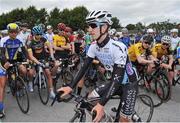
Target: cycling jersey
column 59, row 40
column 113, row 55
column 158, row 51
column 125, row 40
column 178, row 53
column 136, row 50
column 24, row 36
column 38, row 48
column 174, row 42
column 12, row 47
column 50, row 37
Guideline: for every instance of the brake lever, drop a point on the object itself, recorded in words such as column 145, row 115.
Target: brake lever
column 57, row 97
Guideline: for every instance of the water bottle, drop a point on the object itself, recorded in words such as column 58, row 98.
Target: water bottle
column 136, row 118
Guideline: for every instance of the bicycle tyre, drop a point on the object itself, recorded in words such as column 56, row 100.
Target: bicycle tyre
column 178, row 80
column 166, row 86
column 67, row 77
column 78, row 117
column 44, row 86
column 21, row 92
column 147, row 100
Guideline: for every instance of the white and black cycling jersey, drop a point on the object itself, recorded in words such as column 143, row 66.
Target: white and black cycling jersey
column 113, row 52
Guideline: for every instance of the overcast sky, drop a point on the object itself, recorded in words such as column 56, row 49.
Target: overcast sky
column 127, row 11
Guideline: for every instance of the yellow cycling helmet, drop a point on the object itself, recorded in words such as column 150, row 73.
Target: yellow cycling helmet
column 12, row 26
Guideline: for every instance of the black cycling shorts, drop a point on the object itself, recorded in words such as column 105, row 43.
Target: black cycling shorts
column 127, row 92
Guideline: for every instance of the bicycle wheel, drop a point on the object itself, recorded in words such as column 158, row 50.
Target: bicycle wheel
column 22, row 95
column 43, row 89
column 162, row 78
column 178, row 80
column 78, row 117
column 144, row 107
column 67, row 77
column 151, row 91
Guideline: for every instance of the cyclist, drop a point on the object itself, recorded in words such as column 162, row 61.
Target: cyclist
column 2, row 80
column 36, row 52
column 61, row 44
column 125, row 38
column 12, row 50
column 139, row 52
column 112, row 54
column 50, row 33
column 164, row 49
column 174, row 39
column 24, row 34
column 112, row 34
column 138, row 36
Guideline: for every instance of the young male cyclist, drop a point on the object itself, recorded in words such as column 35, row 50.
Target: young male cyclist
column 113, row 55
column 140, row 53
column 12, row 50
column 37, row 52
column 164, row 49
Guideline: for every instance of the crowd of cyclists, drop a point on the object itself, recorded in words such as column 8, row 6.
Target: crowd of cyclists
column 120, row 54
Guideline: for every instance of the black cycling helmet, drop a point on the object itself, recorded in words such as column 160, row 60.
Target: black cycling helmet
column 148, row 38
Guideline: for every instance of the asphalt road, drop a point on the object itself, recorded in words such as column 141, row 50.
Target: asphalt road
column 167, row 112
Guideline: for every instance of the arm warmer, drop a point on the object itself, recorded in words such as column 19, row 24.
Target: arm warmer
column 82, row 71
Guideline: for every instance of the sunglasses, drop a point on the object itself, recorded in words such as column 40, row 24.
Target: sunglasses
column 93, row 25
column 147, row 43
column 13, row 31
column 38, row 34
column 166, row 44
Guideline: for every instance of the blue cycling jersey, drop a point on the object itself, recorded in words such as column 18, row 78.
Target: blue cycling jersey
column 12, row 47
column 125, row 40
column 178, row 53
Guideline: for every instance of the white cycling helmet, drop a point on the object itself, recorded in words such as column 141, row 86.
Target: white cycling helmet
column 100, row 17
column 112, row 31
column 174, row 30
column 49, row 27
column 150, row 30
column 166, row 39
column 124, row 30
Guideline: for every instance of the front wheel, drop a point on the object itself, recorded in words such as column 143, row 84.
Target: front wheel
column 22, row 95
column 144, row 107
column 78, row 117
column 43, row 89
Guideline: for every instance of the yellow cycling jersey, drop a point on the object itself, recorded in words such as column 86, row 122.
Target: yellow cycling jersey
column 158, row 51
column 135, row 50
column 59, row 40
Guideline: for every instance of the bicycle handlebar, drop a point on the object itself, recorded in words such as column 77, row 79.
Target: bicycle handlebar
column 19, row 63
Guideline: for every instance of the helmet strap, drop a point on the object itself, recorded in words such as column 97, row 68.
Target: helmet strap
column 106, row 40
column 101, row 33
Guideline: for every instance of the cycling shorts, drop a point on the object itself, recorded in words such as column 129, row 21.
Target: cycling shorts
column 2, row 71
column 127, row 92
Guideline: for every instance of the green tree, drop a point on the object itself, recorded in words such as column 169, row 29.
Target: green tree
column 116, row 23
column 54, row 17
column 131, row 27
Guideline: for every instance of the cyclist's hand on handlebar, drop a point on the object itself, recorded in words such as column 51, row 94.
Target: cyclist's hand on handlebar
column 7, row 65
column 99, row 111
column 66, row 90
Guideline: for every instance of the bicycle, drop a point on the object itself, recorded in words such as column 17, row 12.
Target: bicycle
column 176, row 80
column 157, row 82
column 84, row 104
column 64, row 74
column 18, row 86
column 40, row 80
